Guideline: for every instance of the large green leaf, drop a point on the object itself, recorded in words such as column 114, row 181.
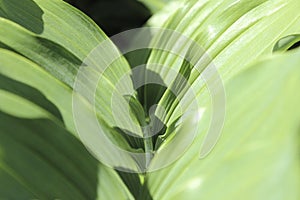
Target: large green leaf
column 51, row 57
column 16, row 99
column 231, row 33
column 36, row 146
column 41, row 160
column 37, row 162
column 52, row 50
column 39, row 148
column 257, row 156
column 52, row 60
column 228, row 35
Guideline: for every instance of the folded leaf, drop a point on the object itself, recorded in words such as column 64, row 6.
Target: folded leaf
column 231, row 34
column 257, row 156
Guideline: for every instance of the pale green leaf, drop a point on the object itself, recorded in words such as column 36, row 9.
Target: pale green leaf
column 257, row 156
column 61, row 57
column 231, row 33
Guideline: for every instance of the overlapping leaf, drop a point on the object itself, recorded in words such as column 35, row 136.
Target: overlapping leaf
column 46, row 43
column 49, row 47
column 57, row 155
column 257, row 156
column 231, row 34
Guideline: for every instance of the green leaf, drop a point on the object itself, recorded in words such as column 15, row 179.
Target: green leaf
column 37, row 162
column 48, row 59
column 27, row 72
column 109, row 179
column 22, row 94
column 22, row 108
column 257, row 156
column 56, row 21
column 31, row 74
column 285, row 43
column 32, row 151
column 64, row 65
column 62, row 59
column 40, row 160
column 155, row 5
column 162, row 13
column 231, row 33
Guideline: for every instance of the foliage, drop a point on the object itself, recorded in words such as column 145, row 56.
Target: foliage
column 42, row 46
